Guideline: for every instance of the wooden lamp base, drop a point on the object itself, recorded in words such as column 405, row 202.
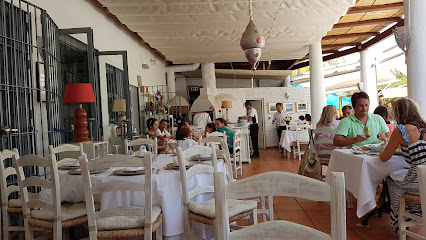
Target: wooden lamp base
column 81, row 133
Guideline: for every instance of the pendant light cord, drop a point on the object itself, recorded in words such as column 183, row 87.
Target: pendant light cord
column 250, row 8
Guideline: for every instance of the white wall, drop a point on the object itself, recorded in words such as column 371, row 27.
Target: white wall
column 107, row 36
column 268, row 94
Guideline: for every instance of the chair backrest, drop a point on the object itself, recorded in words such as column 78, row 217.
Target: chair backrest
column 237, row 142
column 320, row 130
column 55, row 153
column 36, row 181
column 284, row 184
column 116, row 185
column 421, row 175
column 216, row 134
column 224, row 151
column 194, row 170
column 151, row 143
column 5, row 173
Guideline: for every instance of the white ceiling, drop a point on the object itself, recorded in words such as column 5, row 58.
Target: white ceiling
column 188, row 31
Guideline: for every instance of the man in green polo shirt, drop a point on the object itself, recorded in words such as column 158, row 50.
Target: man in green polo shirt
column 361, row 127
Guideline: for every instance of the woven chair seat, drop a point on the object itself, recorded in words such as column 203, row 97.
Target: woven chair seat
column 235, row 207
column 18, row 203
column 15, row 210
column 209, row 221
column 49, row 224
column 126, row 222
column 412, row 197
column 129, row 233
column 69, row 211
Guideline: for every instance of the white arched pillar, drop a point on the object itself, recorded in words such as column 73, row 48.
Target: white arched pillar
column 368, row 78
column 318, row 97
column 416, row 70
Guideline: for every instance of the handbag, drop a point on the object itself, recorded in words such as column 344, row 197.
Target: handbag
column 310, row 165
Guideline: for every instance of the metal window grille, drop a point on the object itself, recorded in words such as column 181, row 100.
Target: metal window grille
column 115, row 87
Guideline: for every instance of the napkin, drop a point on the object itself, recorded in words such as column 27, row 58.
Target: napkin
column 175, row 161
column 356, row 148
column 399, row 175
column 142, row 151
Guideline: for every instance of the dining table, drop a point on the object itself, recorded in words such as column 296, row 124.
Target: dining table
column 288, row 137
column 166, row 193
column 363, row 173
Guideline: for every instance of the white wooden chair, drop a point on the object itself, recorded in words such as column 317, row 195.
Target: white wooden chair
column 205, row 212
column 38, row 213
column 216, row 134
column 236, row 155
column 297, row 144
column 281, row 184
column 224, row 151
column 129, row 145
column 323, row 160
column 13, row 205
column 121, row 221
column 403, row 215
column 67, row 151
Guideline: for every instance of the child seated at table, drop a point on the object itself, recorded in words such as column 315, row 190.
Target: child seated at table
column 182, row 137
column 210, row 127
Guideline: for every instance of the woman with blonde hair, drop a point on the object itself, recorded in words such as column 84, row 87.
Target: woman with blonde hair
column 328, row 119
column 410, row 136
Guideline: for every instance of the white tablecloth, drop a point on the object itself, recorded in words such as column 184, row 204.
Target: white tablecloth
column 289, row 136
column 363, row 173
column 166, row 192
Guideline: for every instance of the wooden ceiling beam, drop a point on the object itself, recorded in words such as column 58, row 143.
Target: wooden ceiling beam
column 350, row 35
column 355, row 49
column 334, row 46
column 378, row 21
column 374, row 8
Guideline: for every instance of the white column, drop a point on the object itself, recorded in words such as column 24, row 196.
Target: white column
column 416, row 69
column 318, row 97
column 287, row 81
column 208, row 75
column 171, row 81
column 369, row 79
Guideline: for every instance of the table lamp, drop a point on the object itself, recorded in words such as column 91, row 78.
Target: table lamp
column 119, row 105
column 227, row 105
column 80, row 93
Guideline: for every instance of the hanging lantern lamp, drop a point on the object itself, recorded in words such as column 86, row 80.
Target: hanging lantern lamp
column 252, row 41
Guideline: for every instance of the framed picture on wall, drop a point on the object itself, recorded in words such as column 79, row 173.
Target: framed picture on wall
column 288, row 107
column 302, row 106
column 272, row 107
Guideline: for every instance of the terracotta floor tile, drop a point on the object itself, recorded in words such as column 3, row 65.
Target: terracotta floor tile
column 287, row 206
column 318, row 213
column 284, row 200
column 314, row 205
column 289, row 214
column 321, row 222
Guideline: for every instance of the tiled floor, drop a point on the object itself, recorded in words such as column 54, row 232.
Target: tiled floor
column 314, row 214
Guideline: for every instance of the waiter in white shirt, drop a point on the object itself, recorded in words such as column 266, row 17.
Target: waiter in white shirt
column 254, row 128
column 280, row 120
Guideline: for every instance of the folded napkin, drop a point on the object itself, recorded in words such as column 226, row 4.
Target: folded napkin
column 75, row 164
column 399, row 175
column 142, row 151
column 175, row 161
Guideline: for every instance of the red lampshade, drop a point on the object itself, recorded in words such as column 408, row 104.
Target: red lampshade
column 79, row 93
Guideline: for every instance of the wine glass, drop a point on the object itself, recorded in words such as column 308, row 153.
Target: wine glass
column 168, row 148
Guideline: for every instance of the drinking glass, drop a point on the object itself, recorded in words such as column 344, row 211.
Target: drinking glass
column 168, row 148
